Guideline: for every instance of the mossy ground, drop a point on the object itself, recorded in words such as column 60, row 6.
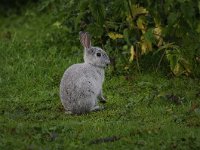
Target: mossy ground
column 145, row 111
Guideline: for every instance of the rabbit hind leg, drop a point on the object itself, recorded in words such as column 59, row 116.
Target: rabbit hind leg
column 97, row 108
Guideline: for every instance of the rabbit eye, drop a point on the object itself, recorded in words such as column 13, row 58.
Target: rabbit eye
column 98, row 54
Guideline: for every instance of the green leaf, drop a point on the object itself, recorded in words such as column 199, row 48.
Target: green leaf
column 150, row 36
column 78, row 19
column 166, row 47
column 198, row 28
column 172, row 58
column 188, row 10
column 97, row 10
column 95, row 29
column 83, row 5
column 126, row 35
column 172, row 18
column 199, row 6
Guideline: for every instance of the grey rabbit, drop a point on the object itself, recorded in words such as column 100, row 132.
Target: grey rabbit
column 81, row 84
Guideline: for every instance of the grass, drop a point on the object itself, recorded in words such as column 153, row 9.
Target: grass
column 147, row 111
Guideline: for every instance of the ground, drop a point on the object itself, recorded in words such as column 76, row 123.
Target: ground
column 144, row 111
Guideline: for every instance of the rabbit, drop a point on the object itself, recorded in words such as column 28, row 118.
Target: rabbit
column 81, row 84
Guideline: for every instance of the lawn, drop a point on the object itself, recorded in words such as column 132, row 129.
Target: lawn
column 146, row 110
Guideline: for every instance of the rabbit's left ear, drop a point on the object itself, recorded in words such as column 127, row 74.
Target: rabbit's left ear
column 85, row 39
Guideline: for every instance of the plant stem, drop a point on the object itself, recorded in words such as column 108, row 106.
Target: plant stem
column 158, row 66
column 130, row 10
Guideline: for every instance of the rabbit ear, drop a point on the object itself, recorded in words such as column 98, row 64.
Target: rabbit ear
column 85, row 39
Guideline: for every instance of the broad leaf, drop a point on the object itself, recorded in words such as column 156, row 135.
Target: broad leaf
column 132, row 52
column 115, row 36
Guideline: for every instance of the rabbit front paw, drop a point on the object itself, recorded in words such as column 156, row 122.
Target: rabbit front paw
column 67, row 112
column 102, row 100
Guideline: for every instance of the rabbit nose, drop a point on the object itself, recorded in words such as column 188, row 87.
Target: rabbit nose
column 108, row 63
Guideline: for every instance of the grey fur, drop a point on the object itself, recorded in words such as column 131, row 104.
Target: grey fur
column 81, row 84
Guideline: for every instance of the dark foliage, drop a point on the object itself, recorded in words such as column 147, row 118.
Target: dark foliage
column 142, row 35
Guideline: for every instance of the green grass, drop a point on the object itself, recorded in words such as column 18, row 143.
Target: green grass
column 147, row 111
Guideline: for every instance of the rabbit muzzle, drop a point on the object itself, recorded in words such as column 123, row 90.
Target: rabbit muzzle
column 107, row 63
